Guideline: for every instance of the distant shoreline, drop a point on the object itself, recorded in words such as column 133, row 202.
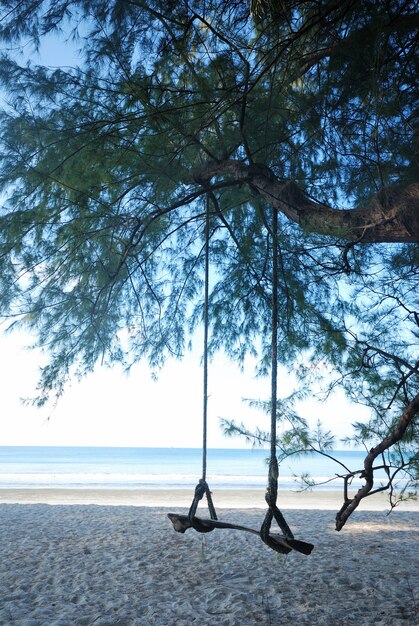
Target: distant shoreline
column 223, row 498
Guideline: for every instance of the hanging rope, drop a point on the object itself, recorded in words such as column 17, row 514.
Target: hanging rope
column 272, row 489
column 205, row 356
column 202, row 487
column 280, row 543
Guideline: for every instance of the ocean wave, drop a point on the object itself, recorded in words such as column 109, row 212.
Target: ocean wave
column 154, row 481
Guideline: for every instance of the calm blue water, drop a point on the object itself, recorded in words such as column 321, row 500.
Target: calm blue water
column 157, row 468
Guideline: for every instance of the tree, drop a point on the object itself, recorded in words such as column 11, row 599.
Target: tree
column 305, row 108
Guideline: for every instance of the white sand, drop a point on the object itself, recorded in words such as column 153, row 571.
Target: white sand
column 105, row 565
column 224, row 498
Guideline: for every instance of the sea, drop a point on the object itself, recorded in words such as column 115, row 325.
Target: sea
column 62, row 467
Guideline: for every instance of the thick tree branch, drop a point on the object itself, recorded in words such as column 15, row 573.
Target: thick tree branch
column 391, row 217
column 396, row 435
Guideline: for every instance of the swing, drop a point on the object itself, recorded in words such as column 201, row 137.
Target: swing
column 280, row 543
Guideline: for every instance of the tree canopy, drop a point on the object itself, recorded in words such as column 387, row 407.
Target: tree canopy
column 306, row 108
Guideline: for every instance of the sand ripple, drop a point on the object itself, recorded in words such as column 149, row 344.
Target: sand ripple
column 125, row 566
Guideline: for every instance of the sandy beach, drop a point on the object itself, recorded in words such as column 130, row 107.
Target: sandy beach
column 113, row 559
column 224, row 498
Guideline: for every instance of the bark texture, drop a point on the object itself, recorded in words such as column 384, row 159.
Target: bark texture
column 391, row 217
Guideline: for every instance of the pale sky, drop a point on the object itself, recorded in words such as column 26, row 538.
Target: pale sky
column 109, row 408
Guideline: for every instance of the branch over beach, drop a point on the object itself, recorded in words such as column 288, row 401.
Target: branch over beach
column 350, row 504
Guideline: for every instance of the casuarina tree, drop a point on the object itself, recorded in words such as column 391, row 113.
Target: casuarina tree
column 305, row 108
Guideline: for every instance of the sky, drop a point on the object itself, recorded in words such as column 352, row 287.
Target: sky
column 109, row 408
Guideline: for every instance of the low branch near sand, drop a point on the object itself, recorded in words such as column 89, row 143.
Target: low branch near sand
column 350, row 504
column 181, row 523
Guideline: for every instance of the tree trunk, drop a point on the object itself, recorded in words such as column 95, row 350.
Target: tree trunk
column 391, row 217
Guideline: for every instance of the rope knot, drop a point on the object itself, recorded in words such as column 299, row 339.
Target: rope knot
column 200, row 489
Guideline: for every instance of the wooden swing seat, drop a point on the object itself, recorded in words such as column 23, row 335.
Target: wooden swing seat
column 181, row 523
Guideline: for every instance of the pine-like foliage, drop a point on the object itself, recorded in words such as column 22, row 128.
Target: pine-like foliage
column 305, row 107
